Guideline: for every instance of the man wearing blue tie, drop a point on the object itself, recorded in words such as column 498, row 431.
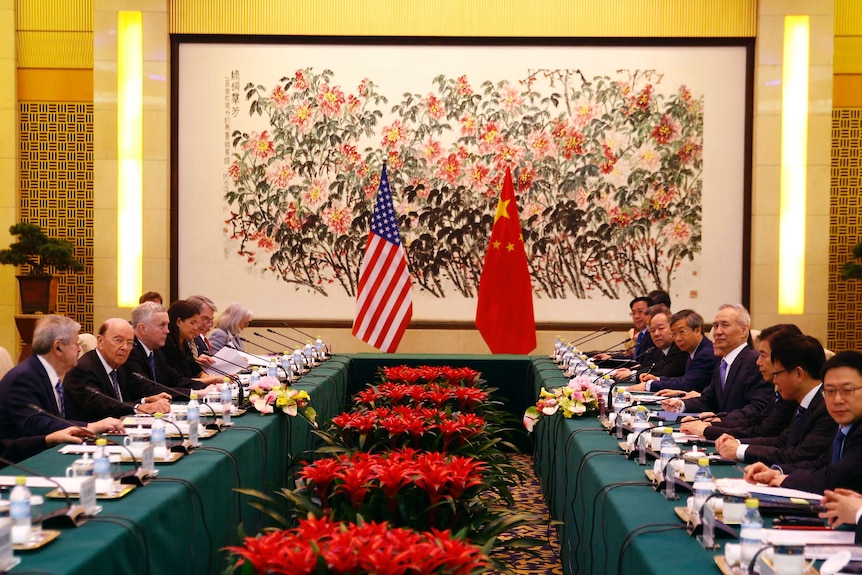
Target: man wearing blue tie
column 38, row 382
column 841, row 466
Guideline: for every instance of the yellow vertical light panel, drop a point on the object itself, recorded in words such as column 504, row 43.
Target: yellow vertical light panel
column 130, row 157
column 794, row 157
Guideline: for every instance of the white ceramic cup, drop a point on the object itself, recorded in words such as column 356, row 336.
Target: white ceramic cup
column 80, row 468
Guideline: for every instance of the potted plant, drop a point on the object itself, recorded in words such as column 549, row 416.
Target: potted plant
column 853, row 269
column 42, row 254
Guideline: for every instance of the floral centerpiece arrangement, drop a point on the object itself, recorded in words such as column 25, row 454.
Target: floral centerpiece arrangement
column 270, row 394
column 324, row 547
column 412, row 452
column 580, row 396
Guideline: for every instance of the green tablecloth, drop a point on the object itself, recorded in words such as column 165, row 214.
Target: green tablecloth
column 180, row 522
column 600, row 498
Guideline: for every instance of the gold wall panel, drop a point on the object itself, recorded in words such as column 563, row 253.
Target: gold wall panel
column 848, row 18
column 540, row 18
column 845, row 229
column 55, row 49
column 53, row 85
column 56, row 190
column 71, row 15
column 848, row 55
column 847, row 91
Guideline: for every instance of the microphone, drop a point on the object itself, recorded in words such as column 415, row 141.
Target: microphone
column 287, row 325
column 270, row 339
column 240, row 398
column 591, row 336
column 214, row 425
column 260, row 357
column 623, row 342
column 267, row 350
column 644, row 353
column 68, row 423
column 178, row 448
column 70, row 516
column 239, row 365
column 270, row 330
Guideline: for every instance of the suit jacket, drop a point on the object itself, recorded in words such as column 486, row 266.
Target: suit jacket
column 642, row 351
column 804, row 440
column 165, row 374
column 220, row 338
column 822, row 474
column 672, row 364
column 696, row 375
column 202, row 346
column 770, row 421
column 181, row 358
column 744, row 387
column 16, row 450
column 24, row 384
column 90, row 395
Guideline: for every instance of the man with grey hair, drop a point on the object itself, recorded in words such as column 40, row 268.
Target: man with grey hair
column 737, row 381
column 150, row 324
column 38, row 382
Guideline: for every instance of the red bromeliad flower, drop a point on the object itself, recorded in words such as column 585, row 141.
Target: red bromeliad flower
column 354, row 482
column 321, row 474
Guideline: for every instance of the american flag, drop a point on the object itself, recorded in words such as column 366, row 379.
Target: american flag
column 384, row 305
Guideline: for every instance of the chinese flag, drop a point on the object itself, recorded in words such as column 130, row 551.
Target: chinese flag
column 504, row 315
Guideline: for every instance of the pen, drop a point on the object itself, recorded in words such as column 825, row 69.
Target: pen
column 803, row 527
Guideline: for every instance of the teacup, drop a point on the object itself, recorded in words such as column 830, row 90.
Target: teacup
column 690, row 459
column 214, row 397
column 80, row 468
column 732, row 554
column 137, row 438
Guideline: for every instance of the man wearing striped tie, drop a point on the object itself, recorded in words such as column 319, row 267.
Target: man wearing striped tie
column 841, row 466
column 37, row 382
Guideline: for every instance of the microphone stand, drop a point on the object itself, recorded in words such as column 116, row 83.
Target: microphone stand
column 214, row 425
column 288, row 326
column 270, row 330
column 71, row 516
column 267, row 338
column 267, row 350
column 592, row 336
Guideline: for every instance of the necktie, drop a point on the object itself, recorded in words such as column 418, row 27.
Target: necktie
column 116, row 383
column 800, row 413
column 638, row 341
column 207, row 341
column 152, row 361
column 62, row 397
column 723, row 373
column 838, row 446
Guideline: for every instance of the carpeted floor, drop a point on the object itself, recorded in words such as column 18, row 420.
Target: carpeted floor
column 528, row 499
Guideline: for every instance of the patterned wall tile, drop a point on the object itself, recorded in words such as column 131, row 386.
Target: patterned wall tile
column 56, row 179
column 845, row 229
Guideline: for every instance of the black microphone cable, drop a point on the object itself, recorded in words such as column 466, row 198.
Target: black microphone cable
column 136, row 531
column 641, row 530
column 604, row 491
column 237, row 478
column 193, row 490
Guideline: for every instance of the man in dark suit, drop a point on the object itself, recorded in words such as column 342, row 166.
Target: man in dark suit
column 775, row 416
column 700, row 361
column 841, row 466
column 798, row 362
column 207, row 309
column 37, row 381
column 737, row 381
column 648, row 354
column 668, row 359
column 96, row 387
column 150, row 324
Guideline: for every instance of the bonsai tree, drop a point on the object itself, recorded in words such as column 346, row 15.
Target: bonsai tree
column 853, row 270
column 39, row 251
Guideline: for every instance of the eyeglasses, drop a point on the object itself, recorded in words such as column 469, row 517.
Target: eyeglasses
column 681, row 332
column 845, row 392
column 774, row 373
column 120, row 342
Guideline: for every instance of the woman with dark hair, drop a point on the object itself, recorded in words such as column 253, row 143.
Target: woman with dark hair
column 179, row 349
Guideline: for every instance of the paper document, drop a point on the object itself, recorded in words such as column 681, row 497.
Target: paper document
column 808, row 537
column 228, row 360
column 737, row 485
column 79, row 449
column 252, row 359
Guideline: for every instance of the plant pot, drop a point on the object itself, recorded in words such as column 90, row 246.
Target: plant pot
column 38, row 293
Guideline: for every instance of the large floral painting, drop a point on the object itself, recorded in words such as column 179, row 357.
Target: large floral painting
column 609, row 168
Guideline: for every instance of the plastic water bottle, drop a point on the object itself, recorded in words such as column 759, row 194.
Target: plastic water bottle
column 558, row 343
column 592, row 372
column 298, row 359
column 157, row 437
column 255, row 376
column 703, row 485
column 320, row 348
column 308, row 351
column 668, row 450
column 102, row 466
column 193, row 417
column 285, row 364
column 19, row 511
column 226, row 401
column 750, row 531
column 620, row 402
column 272, row 368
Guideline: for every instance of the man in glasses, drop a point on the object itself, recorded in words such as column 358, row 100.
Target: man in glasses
column 797, row 364
column 686, row 330
column 97, row 387
column 841, row 465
